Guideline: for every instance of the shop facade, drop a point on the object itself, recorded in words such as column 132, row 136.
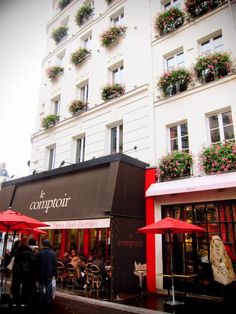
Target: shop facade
column 208, row 202
column 95, row 206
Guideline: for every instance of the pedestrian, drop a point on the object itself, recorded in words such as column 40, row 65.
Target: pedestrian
column 21, row 275
column 46, row 263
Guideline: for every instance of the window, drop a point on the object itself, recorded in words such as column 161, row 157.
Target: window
column 51, row 157
column 175, row 61
column 118, row 18
column 179, row 137
column 87, row 42
column 60, row 59
column 84, row 90
column 116, row 144
column 56, row 106
column 221, row 127
column 171, row 3
column 118, row 75
column 214, row 44
column 80, row 149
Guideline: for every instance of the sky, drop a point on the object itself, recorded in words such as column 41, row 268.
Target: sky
column 23, row 45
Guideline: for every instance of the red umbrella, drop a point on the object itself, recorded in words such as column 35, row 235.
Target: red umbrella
column 170, row 225
column 11, row 220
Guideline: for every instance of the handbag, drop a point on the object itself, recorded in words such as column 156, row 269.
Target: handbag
column 10, row 265
column 54, row 284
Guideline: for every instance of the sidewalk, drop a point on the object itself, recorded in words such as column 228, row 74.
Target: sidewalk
column 154, row 303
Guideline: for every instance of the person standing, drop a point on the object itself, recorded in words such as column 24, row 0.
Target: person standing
column 46, row 263
column 21, row 275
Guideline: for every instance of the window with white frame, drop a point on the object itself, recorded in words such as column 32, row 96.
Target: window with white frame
column 212, row 44
column 118, row 18
column 79, row 149
column 221, row 127
column 87, row 42
column 60, row 59
column 116, row 139
column 171, row 3
column 118, row 75
column 178, row 135
column 175, row 61
column 51, row 157
column 84, row 92
column 56, row 105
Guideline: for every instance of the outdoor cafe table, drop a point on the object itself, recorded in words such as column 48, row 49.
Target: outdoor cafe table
column 186, row 278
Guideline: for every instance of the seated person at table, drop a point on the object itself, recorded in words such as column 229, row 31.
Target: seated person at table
column 65, row 259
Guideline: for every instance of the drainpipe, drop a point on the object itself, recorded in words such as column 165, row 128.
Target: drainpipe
column 233, row 22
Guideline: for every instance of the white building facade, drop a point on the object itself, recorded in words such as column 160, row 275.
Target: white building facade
column 144, row 122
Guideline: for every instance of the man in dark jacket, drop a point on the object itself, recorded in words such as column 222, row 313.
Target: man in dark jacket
column 21, row 275
column 46, row 261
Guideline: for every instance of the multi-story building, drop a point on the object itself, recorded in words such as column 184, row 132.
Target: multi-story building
column 146, row 78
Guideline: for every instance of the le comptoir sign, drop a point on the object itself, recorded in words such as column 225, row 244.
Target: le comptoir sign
column 46, row 204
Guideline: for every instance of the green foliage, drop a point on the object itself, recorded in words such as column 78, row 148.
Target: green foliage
column 79, row 56
column 112, row 34
column 169, row 20
column 77, row 106
column 50, row 120
column 54, row 72
column 218, row 158
column 59, row 33
column 83, row 14
column 173, row 81
column 174, row 165
column 63, row 3
column 112, row 90
column 197, row 8
column 213, row 66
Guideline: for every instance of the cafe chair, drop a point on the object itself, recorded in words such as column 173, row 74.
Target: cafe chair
column 72, row 276
column 96, row 278
column 62, row 275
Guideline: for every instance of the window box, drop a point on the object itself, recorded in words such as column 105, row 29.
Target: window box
column 54, row 72
column 77, row 106
column 63, row 3
column 174, row 81
column 84, row 13
column 112, row 90
column 112, row 34
column 50, row 120
column 212, row 66
column 59, row 33
column 168, row 21
column 218, row 158
column 78, row 56
column 175, row 165
column 197, row 8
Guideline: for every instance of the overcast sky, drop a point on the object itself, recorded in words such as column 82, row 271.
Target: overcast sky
column 23, row 43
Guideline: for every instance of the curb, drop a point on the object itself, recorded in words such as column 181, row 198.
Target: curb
column 117, row 306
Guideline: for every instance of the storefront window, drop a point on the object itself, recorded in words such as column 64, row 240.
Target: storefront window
column 191, row 251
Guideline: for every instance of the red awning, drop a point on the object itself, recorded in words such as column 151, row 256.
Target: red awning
column 196, row 184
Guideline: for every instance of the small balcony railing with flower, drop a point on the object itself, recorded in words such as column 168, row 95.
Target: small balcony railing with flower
column 213, row 66
column 83, row 14
column 196, row 8
column 113, row 34
column 54, row 72
column 174, row 81
column 50, row 120
column 111, row 91
column 78, row 56
column 218, row 158
column 77, row 106
column 63, row 3
column 169, row 21
column 59, row 33
column 177, row 164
